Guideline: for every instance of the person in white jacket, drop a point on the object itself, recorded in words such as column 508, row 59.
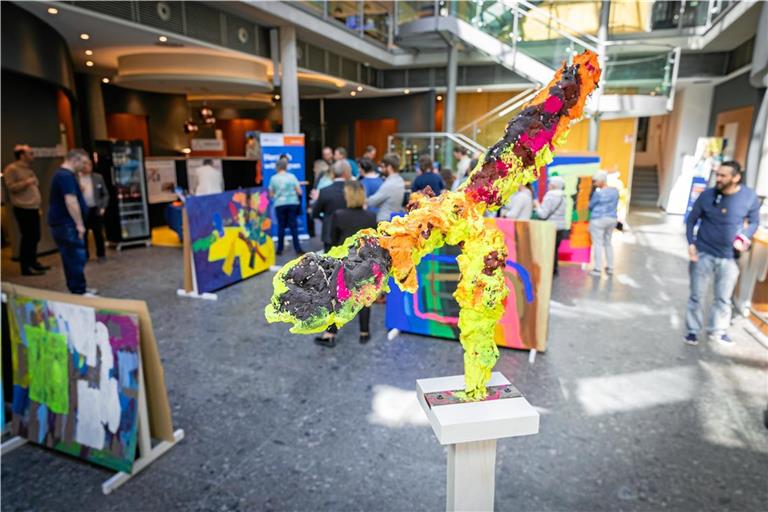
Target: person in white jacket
column 520, row 205
column 210, row 180
column 552, row 208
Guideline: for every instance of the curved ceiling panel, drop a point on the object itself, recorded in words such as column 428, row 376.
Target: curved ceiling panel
column 191, row 73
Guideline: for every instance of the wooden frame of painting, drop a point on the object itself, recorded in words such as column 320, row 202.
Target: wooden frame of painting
column 135, row 389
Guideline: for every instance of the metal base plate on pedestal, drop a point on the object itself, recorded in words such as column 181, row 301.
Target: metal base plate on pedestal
column 455, row 396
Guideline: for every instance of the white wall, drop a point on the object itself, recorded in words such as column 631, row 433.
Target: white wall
column 688, row 121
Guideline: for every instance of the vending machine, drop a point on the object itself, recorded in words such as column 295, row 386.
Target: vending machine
column 121, row 163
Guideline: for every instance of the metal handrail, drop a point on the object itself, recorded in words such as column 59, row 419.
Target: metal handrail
column 520, row 97
column 595, row 42
column 458, row 138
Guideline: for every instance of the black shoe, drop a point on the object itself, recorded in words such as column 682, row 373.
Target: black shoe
column 278, row 253
column 326, row 342
column 40, row 267
column 31, row 272
column 365, row 338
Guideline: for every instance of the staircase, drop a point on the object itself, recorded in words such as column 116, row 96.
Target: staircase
column 645, row 186
column 639, row 77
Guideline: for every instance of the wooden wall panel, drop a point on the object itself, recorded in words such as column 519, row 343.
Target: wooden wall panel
column 64, row 108
column 373, row 132
column 234, row 132
column 742, row 117
column 129, row 127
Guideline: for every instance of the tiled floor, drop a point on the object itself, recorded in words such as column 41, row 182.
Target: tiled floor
column 632, row 419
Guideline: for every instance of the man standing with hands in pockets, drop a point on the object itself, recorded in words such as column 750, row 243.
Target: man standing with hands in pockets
column 727, row 217
column 66, row 215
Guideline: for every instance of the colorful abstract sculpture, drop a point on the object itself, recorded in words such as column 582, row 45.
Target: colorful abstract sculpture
column 313, row 292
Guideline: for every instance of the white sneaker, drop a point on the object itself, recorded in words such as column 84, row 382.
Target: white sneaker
column 91, row 292
column 723, row 339
column 609, row 271
column 595, row 272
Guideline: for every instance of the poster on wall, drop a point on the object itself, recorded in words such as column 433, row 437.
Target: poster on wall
column 161, row 180
column 698, row 185
column 706, row 158
column 75, row 379
column 432, row 310
column 275, row 145
column 230, row 237
column 193, row 164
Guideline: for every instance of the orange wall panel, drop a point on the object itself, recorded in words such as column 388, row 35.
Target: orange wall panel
column 128, row 127
column 373, row 132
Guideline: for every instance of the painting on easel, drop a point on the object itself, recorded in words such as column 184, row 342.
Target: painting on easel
column 229, row 237
column 433, row 310
column 76, row 379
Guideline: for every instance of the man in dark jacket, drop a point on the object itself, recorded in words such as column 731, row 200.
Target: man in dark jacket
column 331, row 199
column 97, row 199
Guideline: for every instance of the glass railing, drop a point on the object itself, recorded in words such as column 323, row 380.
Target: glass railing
column 366, row 18
column 637, row 16
column 437, row 145
column 640, row 69
column 523, row 26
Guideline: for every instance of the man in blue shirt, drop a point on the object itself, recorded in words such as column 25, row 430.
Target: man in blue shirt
column 722, row 234
column 428, row 177
column 66, row 212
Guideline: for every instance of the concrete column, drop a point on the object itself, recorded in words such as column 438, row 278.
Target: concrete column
column 449, row 115
column 449, row 119
column 602, row 35
column 97, row 118
column 290, row 80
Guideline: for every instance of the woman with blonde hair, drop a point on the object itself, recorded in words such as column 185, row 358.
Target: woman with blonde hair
column 345, row 223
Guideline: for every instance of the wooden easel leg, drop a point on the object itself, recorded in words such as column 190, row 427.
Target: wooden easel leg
column 148, row 452
column 471, row 476
column 12, row 444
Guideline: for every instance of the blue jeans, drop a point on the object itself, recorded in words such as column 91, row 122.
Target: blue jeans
column 726, row 273
column 72, row 250
column 286, row 218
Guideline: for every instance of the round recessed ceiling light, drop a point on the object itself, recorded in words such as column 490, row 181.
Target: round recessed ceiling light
column 105, row 80
column 407, row 91
column 53, row 10
column 89, row 52
column 89, row 63
column 439, row 98
column 353, row 93
column 162, row 39
column 479, row 89
column 359, row 88
column 277, row 96
column 85, row 36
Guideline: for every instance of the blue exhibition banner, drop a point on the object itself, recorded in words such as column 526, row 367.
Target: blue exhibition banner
column 290, row 146
column 698, row 185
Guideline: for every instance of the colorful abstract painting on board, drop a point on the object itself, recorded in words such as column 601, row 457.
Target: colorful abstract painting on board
column 229, row 234
column 76, row 379
column 577, row 171
column 433, row 311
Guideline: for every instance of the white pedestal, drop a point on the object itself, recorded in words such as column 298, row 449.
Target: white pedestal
column 470, row 430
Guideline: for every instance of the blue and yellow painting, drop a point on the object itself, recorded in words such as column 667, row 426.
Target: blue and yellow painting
column 230, row 237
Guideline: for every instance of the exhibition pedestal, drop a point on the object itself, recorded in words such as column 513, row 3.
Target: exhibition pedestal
column 470, row 429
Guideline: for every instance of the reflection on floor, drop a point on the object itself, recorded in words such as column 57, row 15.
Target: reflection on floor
column 633, row 418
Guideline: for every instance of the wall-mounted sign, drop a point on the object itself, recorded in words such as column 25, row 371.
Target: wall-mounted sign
column 207, row 145
column 57, row 151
